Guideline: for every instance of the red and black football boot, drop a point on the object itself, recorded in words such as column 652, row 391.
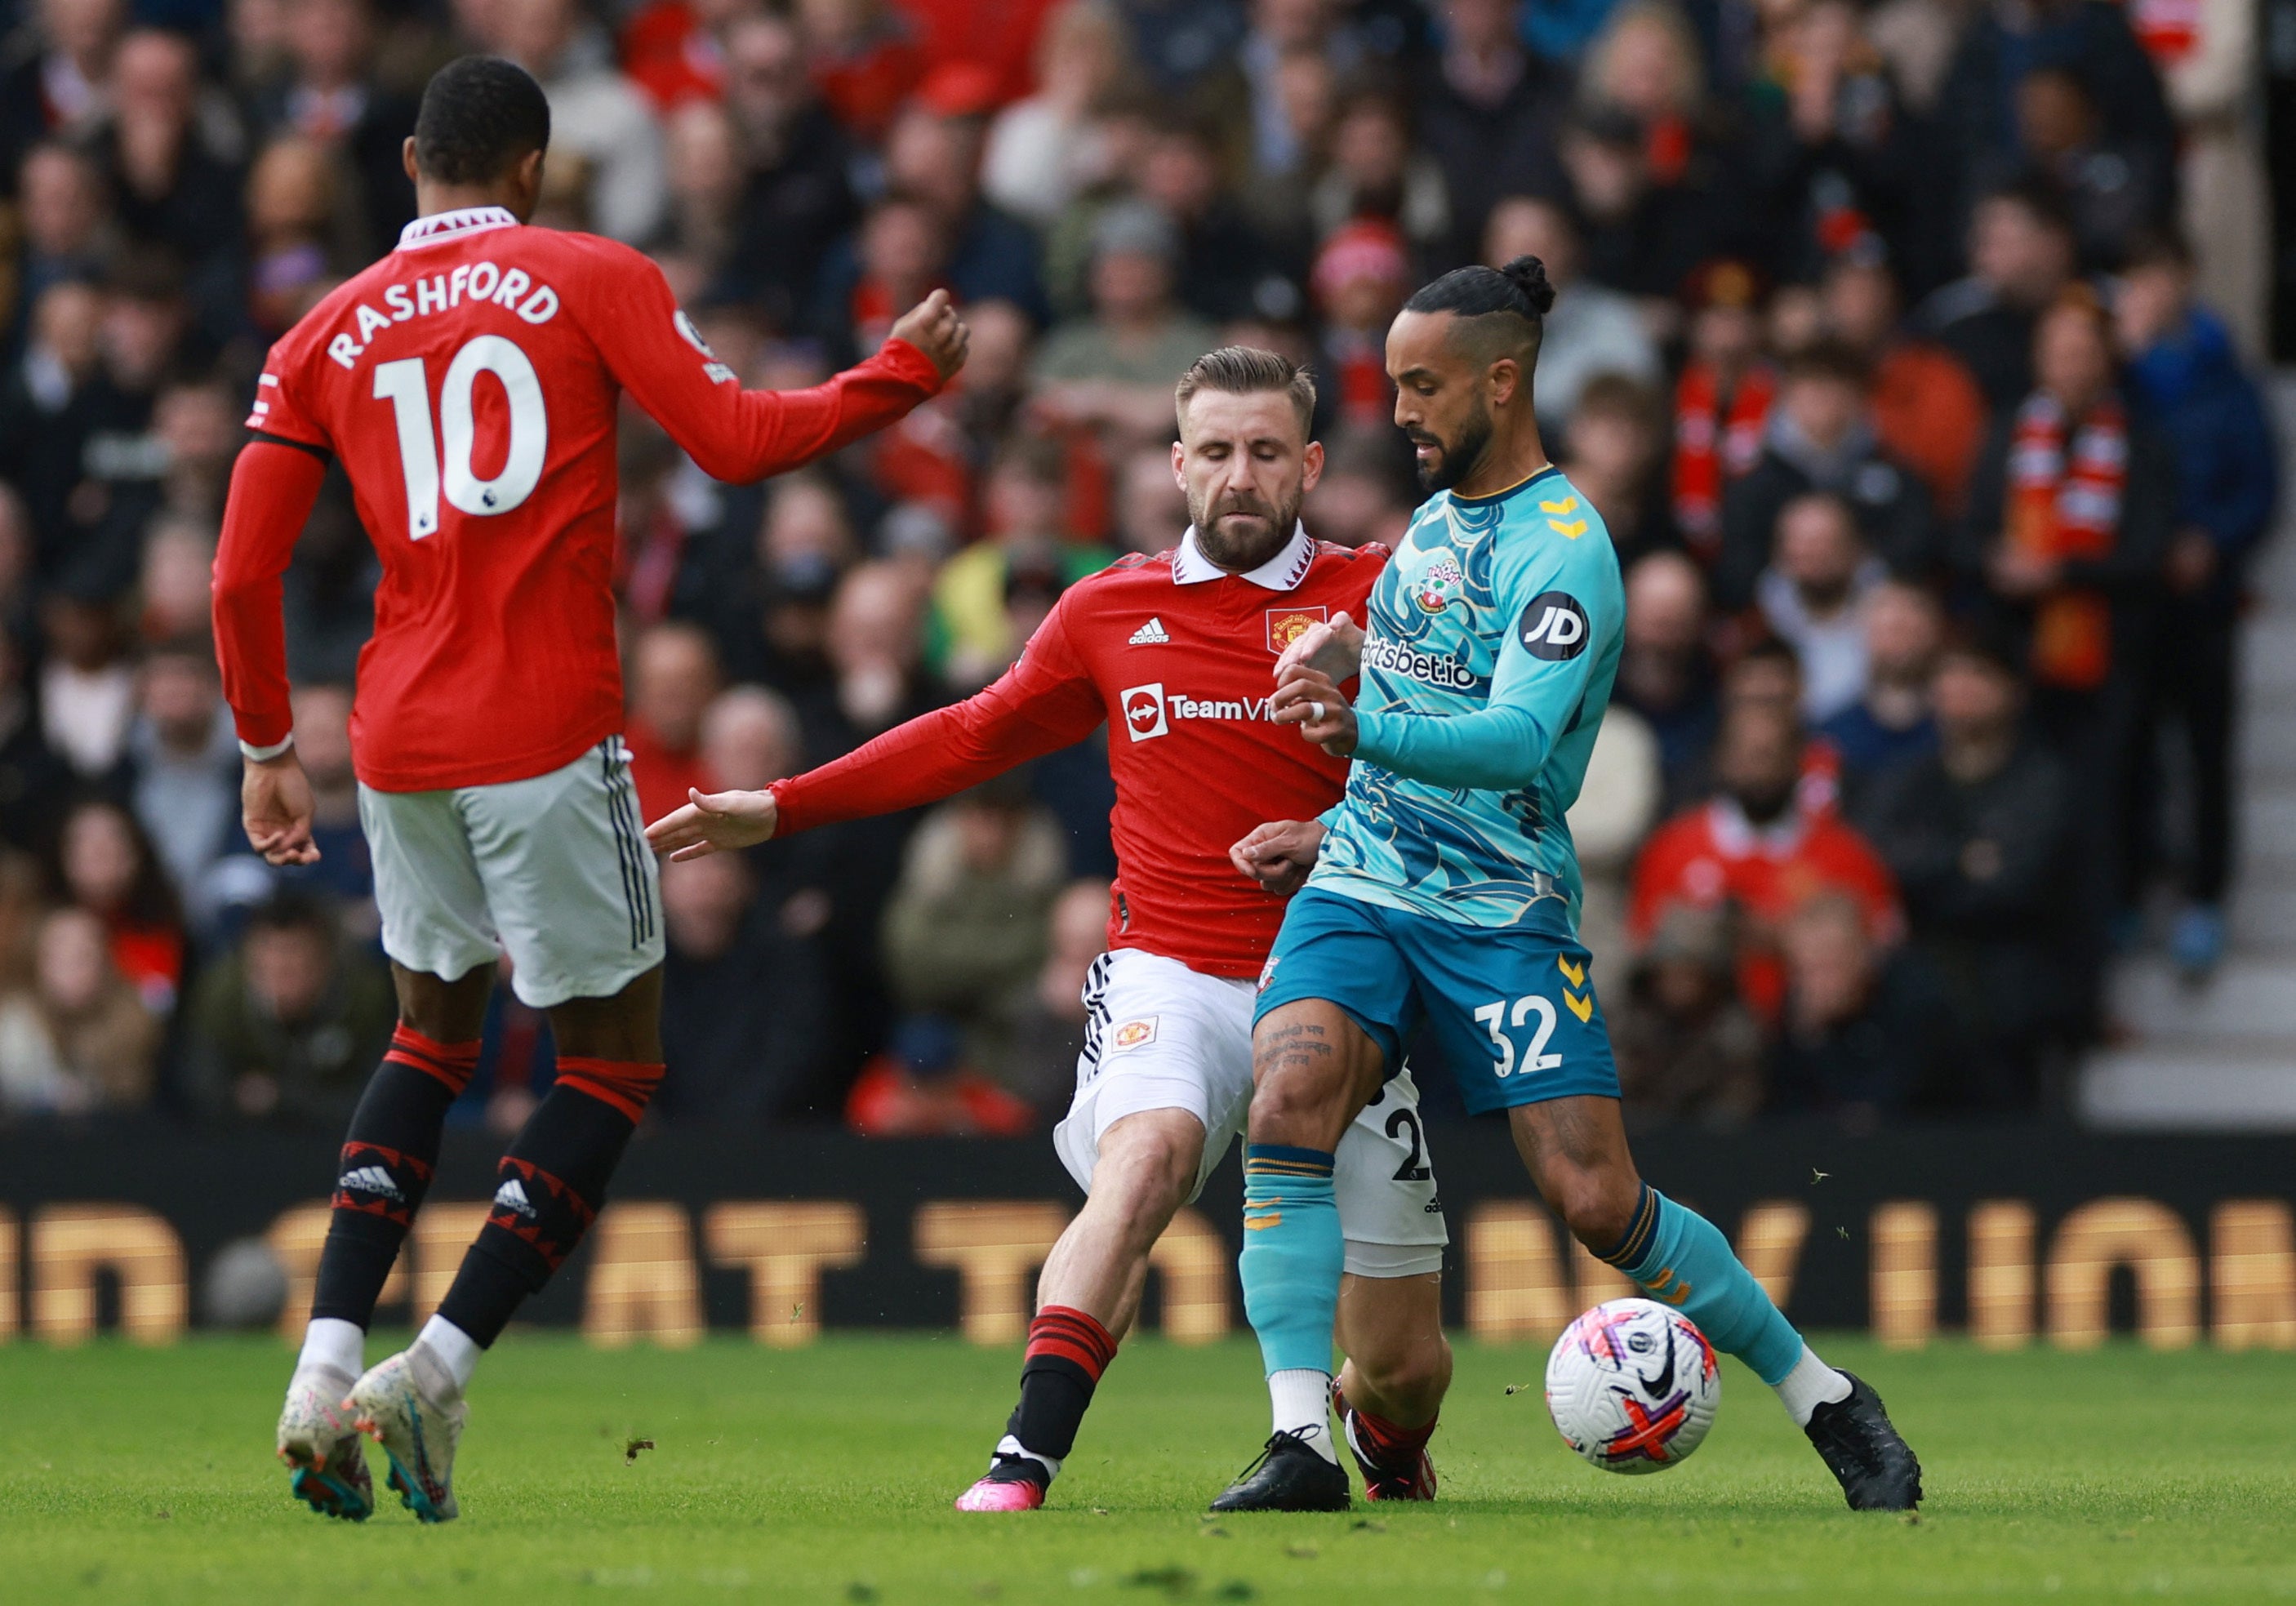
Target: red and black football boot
column 1390, row 1471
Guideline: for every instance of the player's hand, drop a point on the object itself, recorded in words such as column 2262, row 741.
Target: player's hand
column 1335, row 648
column 274, row 807
column 713, row 822
column 1279, row 855
column 934, row 328
column 1310, row 700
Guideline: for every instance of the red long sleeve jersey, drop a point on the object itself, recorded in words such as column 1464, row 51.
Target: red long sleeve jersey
column 468, row 383
column 1178, row 657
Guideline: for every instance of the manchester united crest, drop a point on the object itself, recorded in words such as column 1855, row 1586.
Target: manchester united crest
column 1288, row 625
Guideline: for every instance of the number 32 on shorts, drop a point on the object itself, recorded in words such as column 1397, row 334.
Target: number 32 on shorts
column 1503, row 1020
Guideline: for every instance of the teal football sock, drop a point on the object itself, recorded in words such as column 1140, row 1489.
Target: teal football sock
column 1680, row 1257
column 1292, row 1255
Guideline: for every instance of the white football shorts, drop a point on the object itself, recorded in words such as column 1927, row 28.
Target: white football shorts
column 554, row 871
column 1159, row 1036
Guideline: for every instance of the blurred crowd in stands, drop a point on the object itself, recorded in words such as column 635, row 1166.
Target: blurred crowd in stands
column 1907, row 348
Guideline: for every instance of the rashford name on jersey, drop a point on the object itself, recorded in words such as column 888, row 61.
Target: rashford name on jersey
column 1177, row 657
column 468, row 383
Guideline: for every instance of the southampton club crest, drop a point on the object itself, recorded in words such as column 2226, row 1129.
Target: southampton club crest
column 1288, row 625
column 1439, row 586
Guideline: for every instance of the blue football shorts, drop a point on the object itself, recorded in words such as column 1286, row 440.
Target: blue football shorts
column 1513, row 1012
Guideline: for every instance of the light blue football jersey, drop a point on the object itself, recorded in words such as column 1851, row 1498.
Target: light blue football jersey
column 1493, row 638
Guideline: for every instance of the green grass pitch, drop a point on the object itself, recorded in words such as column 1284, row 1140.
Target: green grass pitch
column 825, row 1475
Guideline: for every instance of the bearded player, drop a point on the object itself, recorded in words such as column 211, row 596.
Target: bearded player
column 467, row 384
column 1447, row 895
column 1174, row 653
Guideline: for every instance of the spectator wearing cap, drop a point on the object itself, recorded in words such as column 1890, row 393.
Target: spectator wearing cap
column 1363, row 273
column 2021, row 256
column 1978, row 833
column 2184, row 377
column 1721, row 401
column 1489, row 112
column 2072, row 513
column 797, row 199
column 965, row 929
column 1759, row 846
column 283, row 1030
column 1814, row 597
column 1114, row 370
column 1890, row 725
column 1591, row 329
column 1820, row 438
column 1688, row 1048
column 1928, row 411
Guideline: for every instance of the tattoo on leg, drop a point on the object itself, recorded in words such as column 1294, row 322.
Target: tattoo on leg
column 1287, row 1047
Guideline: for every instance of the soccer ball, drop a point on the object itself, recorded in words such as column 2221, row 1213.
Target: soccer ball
column 1632, row 1387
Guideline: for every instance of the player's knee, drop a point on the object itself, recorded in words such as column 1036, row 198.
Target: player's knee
column 1592, row 1204
column 1300, row 1104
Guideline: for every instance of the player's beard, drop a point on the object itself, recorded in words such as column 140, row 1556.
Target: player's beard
column 1240, row 548
column 1453, row 458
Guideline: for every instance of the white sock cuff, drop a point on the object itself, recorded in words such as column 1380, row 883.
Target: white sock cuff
column 455, row 1349
column 1810, row 1384
column 1301, row 1397
column 334, row 1344
column 1009, row 1445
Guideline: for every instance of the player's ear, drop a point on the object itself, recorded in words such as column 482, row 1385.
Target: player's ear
column 527, row 177
column 1179, row 466
column 1311, row 466
column 406, row 157
column 1505, row 377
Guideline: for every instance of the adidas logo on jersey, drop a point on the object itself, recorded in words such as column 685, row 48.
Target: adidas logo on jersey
column 369, row 1179
column 1150, row 634
column 513, row 1198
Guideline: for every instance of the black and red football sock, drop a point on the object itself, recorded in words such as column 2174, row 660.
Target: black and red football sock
column 1067, row 1350
column 548, row 1189
column 1385, row 1443
column 387, row 1161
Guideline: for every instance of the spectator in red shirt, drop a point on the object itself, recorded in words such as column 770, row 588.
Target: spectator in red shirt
column 1755, row 846
column 672, row 677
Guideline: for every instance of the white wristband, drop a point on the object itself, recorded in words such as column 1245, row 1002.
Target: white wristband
column 264, row 755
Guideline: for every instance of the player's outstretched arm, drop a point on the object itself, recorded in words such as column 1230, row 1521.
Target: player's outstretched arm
column 712, row 822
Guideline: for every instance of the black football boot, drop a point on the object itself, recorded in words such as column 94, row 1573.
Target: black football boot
column 1287, row 1477
column 1877, row 1469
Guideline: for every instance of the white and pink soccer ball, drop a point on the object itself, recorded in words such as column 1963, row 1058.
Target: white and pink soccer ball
column 1632, row 1387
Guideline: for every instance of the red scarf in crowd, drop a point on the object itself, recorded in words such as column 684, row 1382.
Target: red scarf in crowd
column 1715, row 439
column 2066, row 479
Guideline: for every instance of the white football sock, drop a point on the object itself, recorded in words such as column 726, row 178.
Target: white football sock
column 1810, row 1384
column 334, row 1344
column 1009, row 1445
column 1302, row 1401
column 457, row 1351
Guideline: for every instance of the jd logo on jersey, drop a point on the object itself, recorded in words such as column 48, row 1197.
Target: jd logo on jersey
column 1439, row 586
column 1553, row 626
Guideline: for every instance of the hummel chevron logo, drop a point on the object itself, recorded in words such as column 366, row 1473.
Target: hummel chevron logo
column 513, row 1198
column 369, row 1179
column 1150, row 634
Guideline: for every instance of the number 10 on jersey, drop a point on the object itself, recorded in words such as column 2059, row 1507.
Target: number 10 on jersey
column 406, row 387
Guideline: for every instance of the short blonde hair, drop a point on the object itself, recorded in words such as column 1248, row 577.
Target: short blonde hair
column 1244, row 371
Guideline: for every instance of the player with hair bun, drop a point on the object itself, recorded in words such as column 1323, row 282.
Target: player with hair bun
column 1445, row 893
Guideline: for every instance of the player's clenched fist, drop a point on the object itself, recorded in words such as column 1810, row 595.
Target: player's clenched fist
column 934, row 328
column 274, row 807
column 1279, row 855
column 1311, row 700
column 713, row 821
